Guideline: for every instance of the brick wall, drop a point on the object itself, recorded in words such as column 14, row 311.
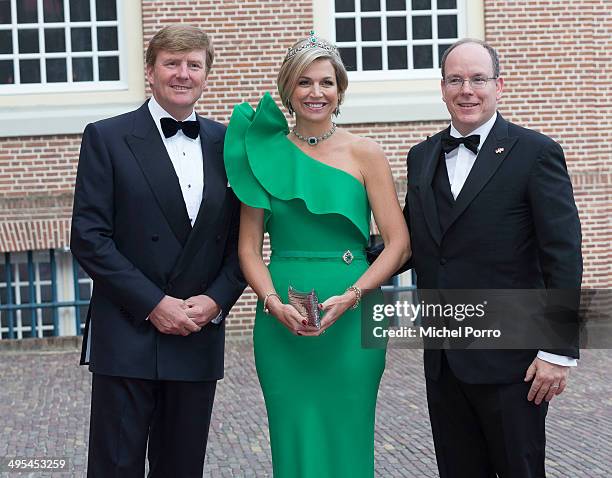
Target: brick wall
column 555, row 60
column 36, row 182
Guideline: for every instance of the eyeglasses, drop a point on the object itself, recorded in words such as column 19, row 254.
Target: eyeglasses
column 476, row 82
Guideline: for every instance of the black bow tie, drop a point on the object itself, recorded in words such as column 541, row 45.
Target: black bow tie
column 470, row 142
column 170, row 126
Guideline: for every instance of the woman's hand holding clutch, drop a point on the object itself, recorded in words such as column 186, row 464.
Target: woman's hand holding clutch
column 290, row 317
column 333, row 309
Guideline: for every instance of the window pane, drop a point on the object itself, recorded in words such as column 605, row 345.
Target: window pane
column 30, row 72
column 447, row 4
column 349, row 58
column 55, row 40
column 47, row 319
column 45, row 294
column 397, row 57
column 28, row 41
column 6, row 72
column 370, row 29
column 396, row 28
column 106, row 10
column 56, row 70
column 396, row 5
column 372, row 58
column 423, row 56
column 447, row 26
column 81, row 39
column 82, row 274
column 6, row 41
column 345, row 29
column 5, row 11
column 108, row 68
column 421, row 4
column 82, row 69
column 27, row 12
column 370, row 5
column 345, row 5
column 441, row 50
column 421, row 28
column 79, row 10
column 83, row 314
column 53, row 10
column 107, row 39
column 84, row 291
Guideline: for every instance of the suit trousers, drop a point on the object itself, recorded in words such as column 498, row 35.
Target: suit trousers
column 173, row 416
column 484, row 431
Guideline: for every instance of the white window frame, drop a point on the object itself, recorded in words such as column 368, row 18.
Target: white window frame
column 64, row 282
column 22, row 326
column 410, row 73
column 69, row 86
column 400, row 95
column 66, row 108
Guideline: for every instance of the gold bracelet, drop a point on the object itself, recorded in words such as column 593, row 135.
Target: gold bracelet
column 265, row 301
column 357, row 292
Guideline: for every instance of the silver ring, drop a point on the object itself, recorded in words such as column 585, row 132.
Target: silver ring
column 554, row 386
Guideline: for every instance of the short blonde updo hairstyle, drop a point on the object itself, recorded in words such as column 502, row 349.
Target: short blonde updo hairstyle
column 180, row 38
column 294, row 66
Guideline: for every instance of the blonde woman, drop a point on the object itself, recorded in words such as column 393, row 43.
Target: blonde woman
column 312, row 187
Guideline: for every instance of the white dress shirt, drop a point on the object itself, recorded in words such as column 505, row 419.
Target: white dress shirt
column 459, row 163
column 186, row 156
column 188, row 162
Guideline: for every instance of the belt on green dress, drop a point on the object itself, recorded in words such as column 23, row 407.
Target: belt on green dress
column 346, row 256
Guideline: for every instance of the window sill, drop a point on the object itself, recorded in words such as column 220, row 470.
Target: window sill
column 391, row 107
column 52, row 120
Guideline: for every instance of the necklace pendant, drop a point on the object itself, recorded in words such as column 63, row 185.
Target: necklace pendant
column 314, row 140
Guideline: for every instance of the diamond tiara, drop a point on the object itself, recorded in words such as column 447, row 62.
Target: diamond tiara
column 312, row 42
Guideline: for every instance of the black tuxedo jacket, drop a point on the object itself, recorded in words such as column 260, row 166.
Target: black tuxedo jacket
column 132, row 235
column 514, row 225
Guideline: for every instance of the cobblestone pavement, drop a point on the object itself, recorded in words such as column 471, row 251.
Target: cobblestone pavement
column 44, row 411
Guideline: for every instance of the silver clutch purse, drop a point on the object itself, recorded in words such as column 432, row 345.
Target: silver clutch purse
column 307, row 304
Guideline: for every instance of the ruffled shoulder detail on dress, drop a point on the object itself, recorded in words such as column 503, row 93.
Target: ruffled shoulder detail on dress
column 261, row 162
column 239, row 174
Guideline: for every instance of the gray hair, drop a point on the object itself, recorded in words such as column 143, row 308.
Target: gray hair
column 492, row 52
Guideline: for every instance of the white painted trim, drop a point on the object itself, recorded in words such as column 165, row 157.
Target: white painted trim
column 393, row 96
column 385, row 107
column 36, row 121
column 127, row 91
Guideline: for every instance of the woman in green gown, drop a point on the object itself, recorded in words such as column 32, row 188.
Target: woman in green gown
column 312, row 188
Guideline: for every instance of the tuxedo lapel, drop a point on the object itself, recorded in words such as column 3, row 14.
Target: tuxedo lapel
column 150, row 153
column 428, row 200
column 215, row 180
column 490, row 157
column 213, row 195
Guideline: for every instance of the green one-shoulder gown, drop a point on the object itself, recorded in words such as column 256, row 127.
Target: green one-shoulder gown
column 320, row 392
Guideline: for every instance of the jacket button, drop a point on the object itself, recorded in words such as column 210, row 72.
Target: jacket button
column 155, row 238
column 443, row 261
column 218, row 237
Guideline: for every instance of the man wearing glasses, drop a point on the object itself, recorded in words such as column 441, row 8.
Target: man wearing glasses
column 490, row 206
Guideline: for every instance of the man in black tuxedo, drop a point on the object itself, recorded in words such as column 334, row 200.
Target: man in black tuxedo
column 155, row 225
column 490, row 206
